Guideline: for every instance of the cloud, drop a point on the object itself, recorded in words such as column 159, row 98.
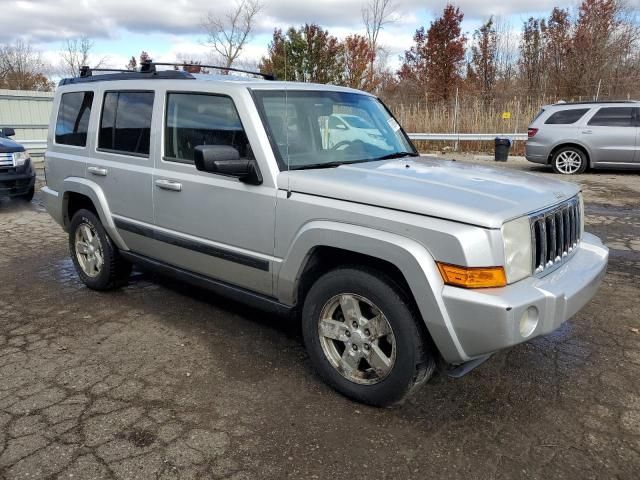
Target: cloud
column 54, row 20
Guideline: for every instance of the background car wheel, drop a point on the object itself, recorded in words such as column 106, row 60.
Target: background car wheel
column 27, row 197
column 95, row 257
column 363, row 338
column 569, row 161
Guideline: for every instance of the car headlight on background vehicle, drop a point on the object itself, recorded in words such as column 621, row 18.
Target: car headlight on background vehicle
column 20, row 158
column 516, row 236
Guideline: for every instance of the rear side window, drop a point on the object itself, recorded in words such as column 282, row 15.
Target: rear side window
column 73, row 118
column 195, row 119
column 125, row 125
column 566, row 117
column 614, row 117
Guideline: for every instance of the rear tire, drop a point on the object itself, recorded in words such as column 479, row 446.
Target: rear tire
column 95, row 257
column 376, row 363
column 569, row 161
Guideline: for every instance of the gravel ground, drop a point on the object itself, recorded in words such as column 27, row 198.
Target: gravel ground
column 160, row 380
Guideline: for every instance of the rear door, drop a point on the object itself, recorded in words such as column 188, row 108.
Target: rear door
column 122, row 164
column 612, row 135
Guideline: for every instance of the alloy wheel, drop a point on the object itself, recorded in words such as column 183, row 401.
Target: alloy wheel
column 568, row 162
column 89, row 250
column 357, row 339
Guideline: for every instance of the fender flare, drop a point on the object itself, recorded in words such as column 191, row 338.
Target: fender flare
column 93, row 191
column 411, row 257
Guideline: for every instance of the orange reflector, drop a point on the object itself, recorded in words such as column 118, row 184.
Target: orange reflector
column 472, row 277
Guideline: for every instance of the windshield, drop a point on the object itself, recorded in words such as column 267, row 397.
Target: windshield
column 316, row 129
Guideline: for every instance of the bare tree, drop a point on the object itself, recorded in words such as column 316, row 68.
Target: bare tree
column 375, row 15
column 76, row 54
column 22, row 68
column 228, row 34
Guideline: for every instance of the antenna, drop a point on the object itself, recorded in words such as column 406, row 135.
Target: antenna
column 286, row 123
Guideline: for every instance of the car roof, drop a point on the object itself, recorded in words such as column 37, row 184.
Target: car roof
column 175, row 78
column 590, row 104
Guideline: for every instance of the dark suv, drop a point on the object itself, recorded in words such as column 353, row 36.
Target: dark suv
column 17, row 178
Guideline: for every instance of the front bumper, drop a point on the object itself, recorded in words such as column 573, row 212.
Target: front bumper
column 489, row 320
column 13, row 184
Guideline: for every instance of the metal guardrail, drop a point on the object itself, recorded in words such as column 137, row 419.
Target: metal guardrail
column 464, row 137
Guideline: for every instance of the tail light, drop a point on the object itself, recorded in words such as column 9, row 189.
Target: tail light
column 532, row 132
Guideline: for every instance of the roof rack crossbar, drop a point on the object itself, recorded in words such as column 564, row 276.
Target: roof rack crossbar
column 266, row 76
column 86, row 71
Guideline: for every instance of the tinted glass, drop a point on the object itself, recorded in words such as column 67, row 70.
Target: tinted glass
column 196, row 119
column 614, row 117
column 125, row 125
column 567, row 117
column 73, row 118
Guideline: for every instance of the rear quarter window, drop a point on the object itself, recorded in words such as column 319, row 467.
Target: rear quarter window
column 566, row 117
column 73, row 118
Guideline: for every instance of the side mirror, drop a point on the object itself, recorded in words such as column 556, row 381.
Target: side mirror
column 8, row 132
column 225, row 160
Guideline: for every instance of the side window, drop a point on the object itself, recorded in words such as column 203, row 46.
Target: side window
column 566, row 117
column 125, row 125
column 73, row 118
column 614, row 117
column 195, row 119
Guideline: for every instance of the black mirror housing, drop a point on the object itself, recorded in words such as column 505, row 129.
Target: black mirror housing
column 225, row 160
column 8, row 132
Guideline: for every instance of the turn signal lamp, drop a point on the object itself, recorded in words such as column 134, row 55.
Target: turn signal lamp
column 472, row 277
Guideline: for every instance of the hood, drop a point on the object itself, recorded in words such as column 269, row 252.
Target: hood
column 472, row 194
column 7, row 145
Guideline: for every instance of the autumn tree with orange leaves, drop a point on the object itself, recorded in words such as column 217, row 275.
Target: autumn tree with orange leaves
column 433, row 64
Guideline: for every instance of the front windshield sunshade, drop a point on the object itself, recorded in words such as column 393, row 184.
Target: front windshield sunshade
column 316, row 129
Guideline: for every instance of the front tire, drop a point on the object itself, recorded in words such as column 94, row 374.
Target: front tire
column 95, row 257
column 363, row 338
column 27, row 197
column 569, row 161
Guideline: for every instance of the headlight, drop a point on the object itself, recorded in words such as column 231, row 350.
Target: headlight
column 516, row 236
column 20, row 158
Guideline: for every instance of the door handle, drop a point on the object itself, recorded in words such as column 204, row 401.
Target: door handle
column 587, row 132
column 101, row 172
column 169, row 185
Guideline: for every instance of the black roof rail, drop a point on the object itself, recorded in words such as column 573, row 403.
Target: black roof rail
column 86, row 75
column 148, row 71
column 266, row 76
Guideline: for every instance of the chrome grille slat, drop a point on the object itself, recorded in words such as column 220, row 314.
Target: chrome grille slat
column 555, row 234
column 6, row 159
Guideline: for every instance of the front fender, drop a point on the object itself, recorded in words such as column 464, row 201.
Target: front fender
column 412, row 259
column 93, row 191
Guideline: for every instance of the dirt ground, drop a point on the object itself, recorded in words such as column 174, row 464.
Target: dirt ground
column 160, row 380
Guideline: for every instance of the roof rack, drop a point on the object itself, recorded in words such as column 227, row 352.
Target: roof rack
column 151, row 65
column 148, row 71
column 86, row 75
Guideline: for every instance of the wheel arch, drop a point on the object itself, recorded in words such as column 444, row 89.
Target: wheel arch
column 573, row 144
column 321, row 246
column 82, row 193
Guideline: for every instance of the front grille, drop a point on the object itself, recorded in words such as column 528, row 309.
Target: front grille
column 555, row 233
column 6, row 159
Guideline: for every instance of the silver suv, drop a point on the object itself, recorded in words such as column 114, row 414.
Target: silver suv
column 394, row 264
column 574, row 136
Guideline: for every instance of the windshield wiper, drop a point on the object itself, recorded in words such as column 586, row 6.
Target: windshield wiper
column 398, row 155
column 330, row 164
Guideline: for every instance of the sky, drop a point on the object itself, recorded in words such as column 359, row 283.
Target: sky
column 171, row 29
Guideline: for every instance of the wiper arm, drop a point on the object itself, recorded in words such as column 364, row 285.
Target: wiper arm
column 331, row 164
column 398, row 155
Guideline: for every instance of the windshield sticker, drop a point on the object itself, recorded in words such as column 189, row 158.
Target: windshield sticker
column 393, row 124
